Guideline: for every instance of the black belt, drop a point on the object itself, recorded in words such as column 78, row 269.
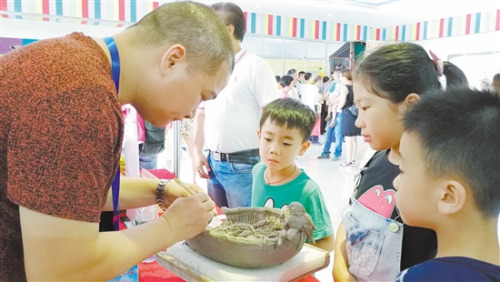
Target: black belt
column 246, row 156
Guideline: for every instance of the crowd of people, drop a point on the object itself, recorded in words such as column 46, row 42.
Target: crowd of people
column 425, row 205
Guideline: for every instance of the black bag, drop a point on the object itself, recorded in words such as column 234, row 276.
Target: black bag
column 154, row 140
column 354, row 110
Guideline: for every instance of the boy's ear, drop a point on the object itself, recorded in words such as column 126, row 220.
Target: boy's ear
column 258, row 133
column 452, row 197
column 304, row 147
column 409, row 101
column 230, row 29
column 173, row 55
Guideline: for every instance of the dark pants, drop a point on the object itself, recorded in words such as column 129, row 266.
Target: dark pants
column 324, row 113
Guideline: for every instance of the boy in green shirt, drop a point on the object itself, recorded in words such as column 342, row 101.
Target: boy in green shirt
column 285, row 127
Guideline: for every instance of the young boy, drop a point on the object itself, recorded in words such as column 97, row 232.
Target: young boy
column 449, row 182
column 285, row 127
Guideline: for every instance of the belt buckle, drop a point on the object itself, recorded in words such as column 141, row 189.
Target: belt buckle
column 221, row 157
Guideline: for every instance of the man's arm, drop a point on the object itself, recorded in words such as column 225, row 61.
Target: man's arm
column 200, row 162
column 57, row 249
column 141, row 192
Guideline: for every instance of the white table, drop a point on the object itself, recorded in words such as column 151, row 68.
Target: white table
column 191, row 266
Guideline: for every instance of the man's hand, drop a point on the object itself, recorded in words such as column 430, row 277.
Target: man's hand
column 176, row 189
column 201, row 166
column 189, row 216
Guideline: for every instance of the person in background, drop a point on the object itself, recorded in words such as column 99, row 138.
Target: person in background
column 294, row 91
column 227, row 125
column 56, row 173
column 334, row 127
column 301, row 78
column 453, row 189
column 349, row 129
column 278, row 79
column 286, row 86
column 187, row 126
column 285, row 127
column 484, row 84
column 382, row 101
column 495, row 85
column 153, row 145
column 309, row 91
column 323, row 90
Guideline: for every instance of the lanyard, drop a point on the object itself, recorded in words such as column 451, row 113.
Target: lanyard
column 241, row 56
column 115, row 69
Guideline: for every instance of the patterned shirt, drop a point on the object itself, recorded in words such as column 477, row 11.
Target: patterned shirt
column 61, row 131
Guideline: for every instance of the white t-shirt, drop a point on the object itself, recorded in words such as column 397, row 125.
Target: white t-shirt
column 309, row 95
column 232, row 119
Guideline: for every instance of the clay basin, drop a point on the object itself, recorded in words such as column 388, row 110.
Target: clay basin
column 248, row 238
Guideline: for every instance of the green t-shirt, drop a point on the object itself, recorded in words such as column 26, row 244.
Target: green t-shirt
column 302, row 189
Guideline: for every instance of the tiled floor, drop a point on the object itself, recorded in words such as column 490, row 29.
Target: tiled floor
column 334, row 180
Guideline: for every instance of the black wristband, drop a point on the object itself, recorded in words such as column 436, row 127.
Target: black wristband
column 160, row 194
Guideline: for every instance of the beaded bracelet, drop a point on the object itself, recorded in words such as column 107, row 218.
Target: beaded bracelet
column 160, row 194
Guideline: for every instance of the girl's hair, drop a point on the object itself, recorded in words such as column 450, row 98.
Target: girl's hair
column 394, row 71
column 191, row 25
column 454, row 75
column 290, row 113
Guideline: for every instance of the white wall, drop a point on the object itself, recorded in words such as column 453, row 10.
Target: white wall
column 477, row 55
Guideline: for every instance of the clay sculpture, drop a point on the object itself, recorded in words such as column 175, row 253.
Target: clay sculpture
column 255, row 237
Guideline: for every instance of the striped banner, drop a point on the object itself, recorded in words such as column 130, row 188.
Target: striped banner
column 121, row 12
column 473, row 23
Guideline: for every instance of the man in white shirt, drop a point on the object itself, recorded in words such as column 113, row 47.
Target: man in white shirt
column 228, row 125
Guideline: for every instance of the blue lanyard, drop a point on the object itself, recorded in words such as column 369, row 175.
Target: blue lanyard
column 115, row 69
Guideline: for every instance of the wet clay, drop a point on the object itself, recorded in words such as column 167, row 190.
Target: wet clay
column 255, row 237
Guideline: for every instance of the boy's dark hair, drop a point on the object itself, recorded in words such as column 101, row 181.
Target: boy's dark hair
column 286, row 80
column 290, row 113
column 460, row 136
column 231, row 13
column 394, row 71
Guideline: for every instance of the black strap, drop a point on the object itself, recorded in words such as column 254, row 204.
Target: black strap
column 115, row 70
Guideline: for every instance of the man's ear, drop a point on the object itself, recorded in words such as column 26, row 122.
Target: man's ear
column 452, row 197
column 173, row 55
column 304, row 147
column 408, row 102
